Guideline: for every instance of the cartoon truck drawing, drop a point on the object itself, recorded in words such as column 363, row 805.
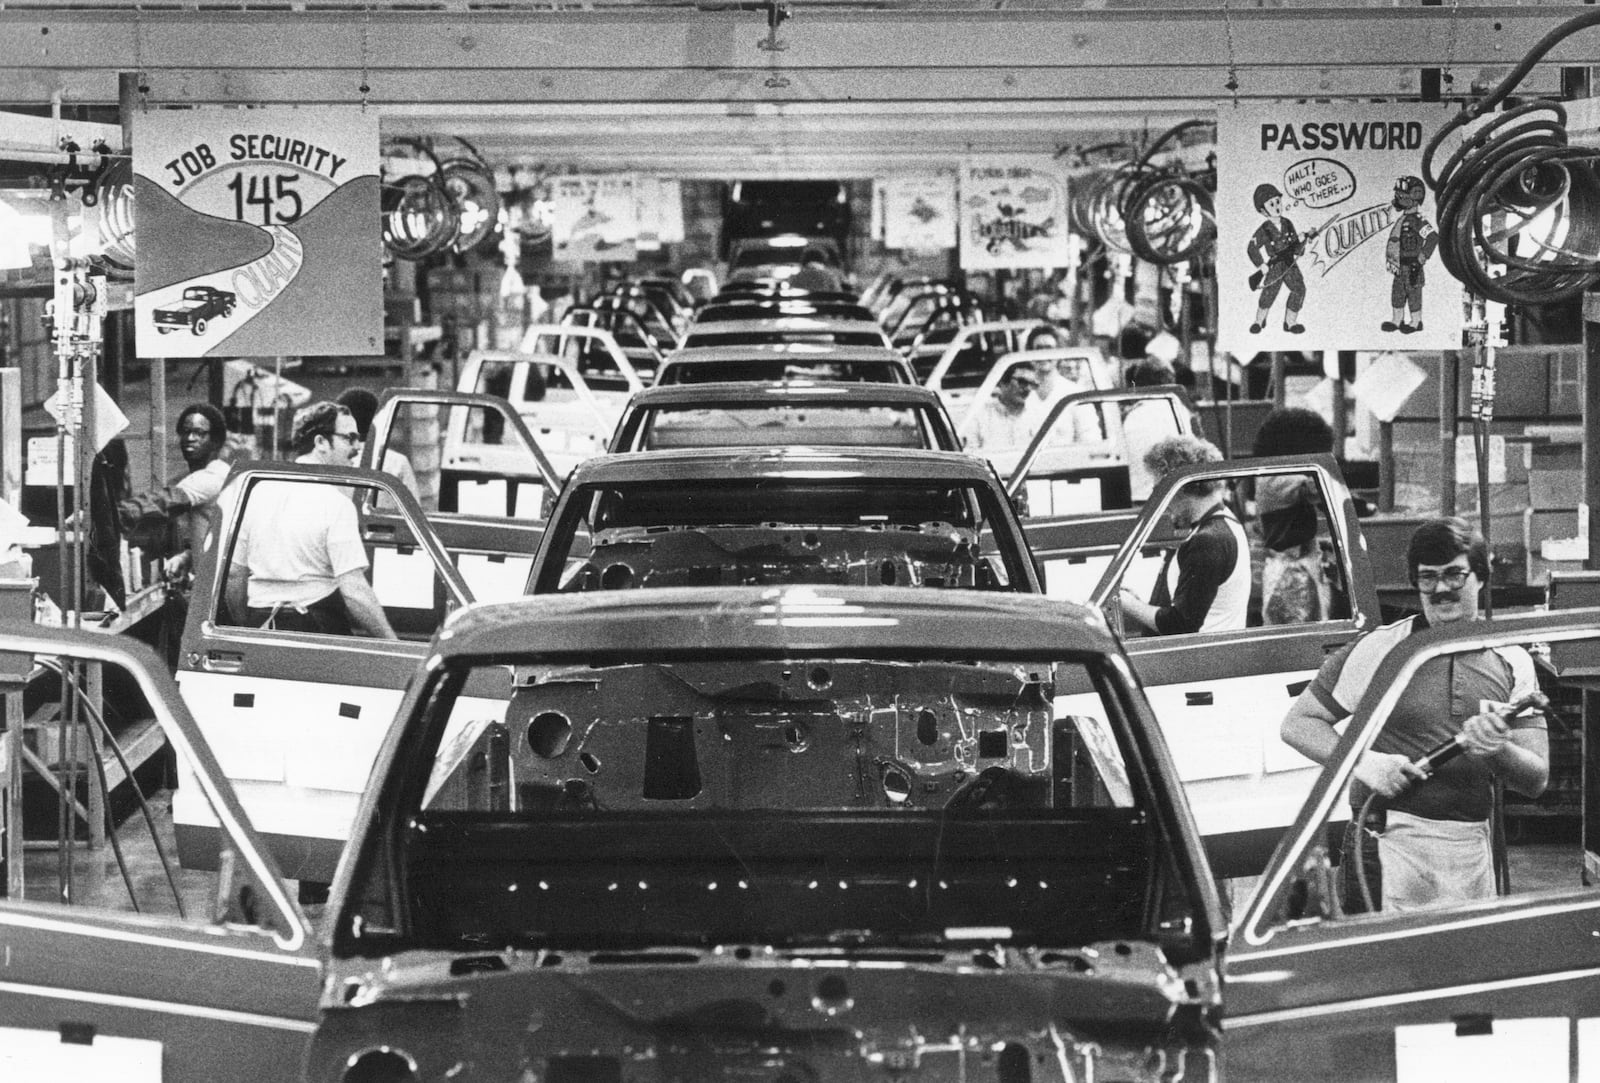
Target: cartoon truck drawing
column 200, row 305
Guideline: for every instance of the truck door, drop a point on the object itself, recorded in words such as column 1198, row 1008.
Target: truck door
column 1496, row 988
column 1220, row 695
column 145, row 978
column 1075, row 486
column 295, row 717
column 481, row 478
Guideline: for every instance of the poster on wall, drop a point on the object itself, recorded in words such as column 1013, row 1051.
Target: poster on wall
column 1013, row 212
column 1326, row 235
column 596, row 217
column 257, row 232
column 919, row 212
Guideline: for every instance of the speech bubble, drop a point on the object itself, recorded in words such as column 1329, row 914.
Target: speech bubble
column 1319, row 182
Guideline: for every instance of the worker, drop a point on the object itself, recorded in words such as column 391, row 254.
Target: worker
column 172, row 521
column 1432, row 836
column 1010, row 416
column 1205, row 585
column 815, row 274
column 363, row 406
column 298, row 563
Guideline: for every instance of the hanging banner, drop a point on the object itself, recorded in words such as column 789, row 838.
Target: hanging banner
column 659, row 212
column 1326, row 237
column 1013, row 213
column 919, row 212
column 257, row 232
column 596, row 217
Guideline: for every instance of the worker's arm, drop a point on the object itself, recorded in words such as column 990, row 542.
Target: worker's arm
column 1137, row 611
column 1308, row 729
column 366, row 612
column 233, row 593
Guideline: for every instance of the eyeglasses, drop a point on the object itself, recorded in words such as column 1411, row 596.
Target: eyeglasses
column 204, row 434
column 1024, row 382
column 353, row 437
column 1452, row 578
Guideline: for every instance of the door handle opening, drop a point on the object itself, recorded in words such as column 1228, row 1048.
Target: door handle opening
column 224, row 661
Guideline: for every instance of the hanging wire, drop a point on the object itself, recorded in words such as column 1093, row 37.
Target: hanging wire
column 70, row 682
column 1446, row 74
column 1231, row 84
column 1519, row 208
column 366, row 52
column 141, row 79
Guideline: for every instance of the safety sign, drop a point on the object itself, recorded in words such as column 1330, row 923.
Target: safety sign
column 1326, row 238
column 257, row 232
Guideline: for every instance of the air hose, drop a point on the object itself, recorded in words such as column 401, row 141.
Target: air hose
column 1514, row 177
column 1429, row 762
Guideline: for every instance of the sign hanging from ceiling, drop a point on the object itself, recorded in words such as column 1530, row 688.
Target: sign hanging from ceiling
column 596, row 217
column 1013, row 213
column 919, row 212
column 1326, row 237
column 258, row 232
column 659, row 212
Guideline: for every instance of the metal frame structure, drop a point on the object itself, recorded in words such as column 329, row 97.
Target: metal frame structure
column 790, row 88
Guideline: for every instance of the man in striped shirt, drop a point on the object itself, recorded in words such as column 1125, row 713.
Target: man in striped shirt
column 1431, row 830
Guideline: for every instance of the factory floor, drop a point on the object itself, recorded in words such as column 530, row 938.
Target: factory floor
column 94, row 877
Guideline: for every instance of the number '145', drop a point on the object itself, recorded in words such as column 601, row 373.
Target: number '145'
column 273, row 193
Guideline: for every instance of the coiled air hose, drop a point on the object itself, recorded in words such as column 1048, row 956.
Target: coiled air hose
column 1518, row 207
column 1430, row 761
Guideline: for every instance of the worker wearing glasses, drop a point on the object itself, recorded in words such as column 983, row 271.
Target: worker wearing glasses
column 1009, row 417
column 298, row 563
column 1425, row 841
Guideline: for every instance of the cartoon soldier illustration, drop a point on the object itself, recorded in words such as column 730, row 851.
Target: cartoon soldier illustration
column 1274, row 249
column 1412, row 240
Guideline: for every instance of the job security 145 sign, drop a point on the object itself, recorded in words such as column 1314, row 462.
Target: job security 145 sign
column 257, row 232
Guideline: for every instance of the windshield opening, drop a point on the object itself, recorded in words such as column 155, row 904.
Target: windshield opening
column 779, row 530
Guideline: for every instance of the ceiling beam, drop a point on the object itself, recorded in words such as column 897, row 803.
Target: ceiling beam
column 686, row 54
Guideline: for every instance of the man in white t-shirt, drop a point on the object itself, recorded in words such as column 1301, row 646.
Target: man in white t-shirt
column 298, row 563
column 1010, row 416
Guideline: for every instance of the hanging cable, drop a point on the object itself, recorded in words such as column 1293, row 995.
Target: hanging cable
column 1519, row 208
column 138, row 792
column 1482, row 405
column 1168, row 213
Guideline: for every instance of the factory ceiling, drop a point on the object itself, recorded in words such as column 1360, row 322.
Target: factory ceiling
column 804, row 88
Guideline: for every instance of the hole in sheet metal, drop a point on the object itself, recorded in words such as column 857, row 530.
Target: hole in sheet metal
column 548, row 734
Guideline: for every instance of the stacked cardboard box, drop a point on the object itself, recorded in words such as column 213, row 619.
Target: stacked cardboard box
column 1533, row 501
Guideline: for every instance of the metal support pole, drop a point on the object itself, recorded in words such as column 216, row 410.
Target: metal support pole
column 1386, row 466
column 158, row 422
column 1341, row 409
column 98, row 798
column 1449, row 376
column 1591, row 424
column 14, row 718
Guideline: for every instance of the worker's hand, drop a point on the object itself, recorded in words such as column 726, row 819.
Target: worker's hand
column 1387, row 772
column 1393, row 266
column 1485, row 734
